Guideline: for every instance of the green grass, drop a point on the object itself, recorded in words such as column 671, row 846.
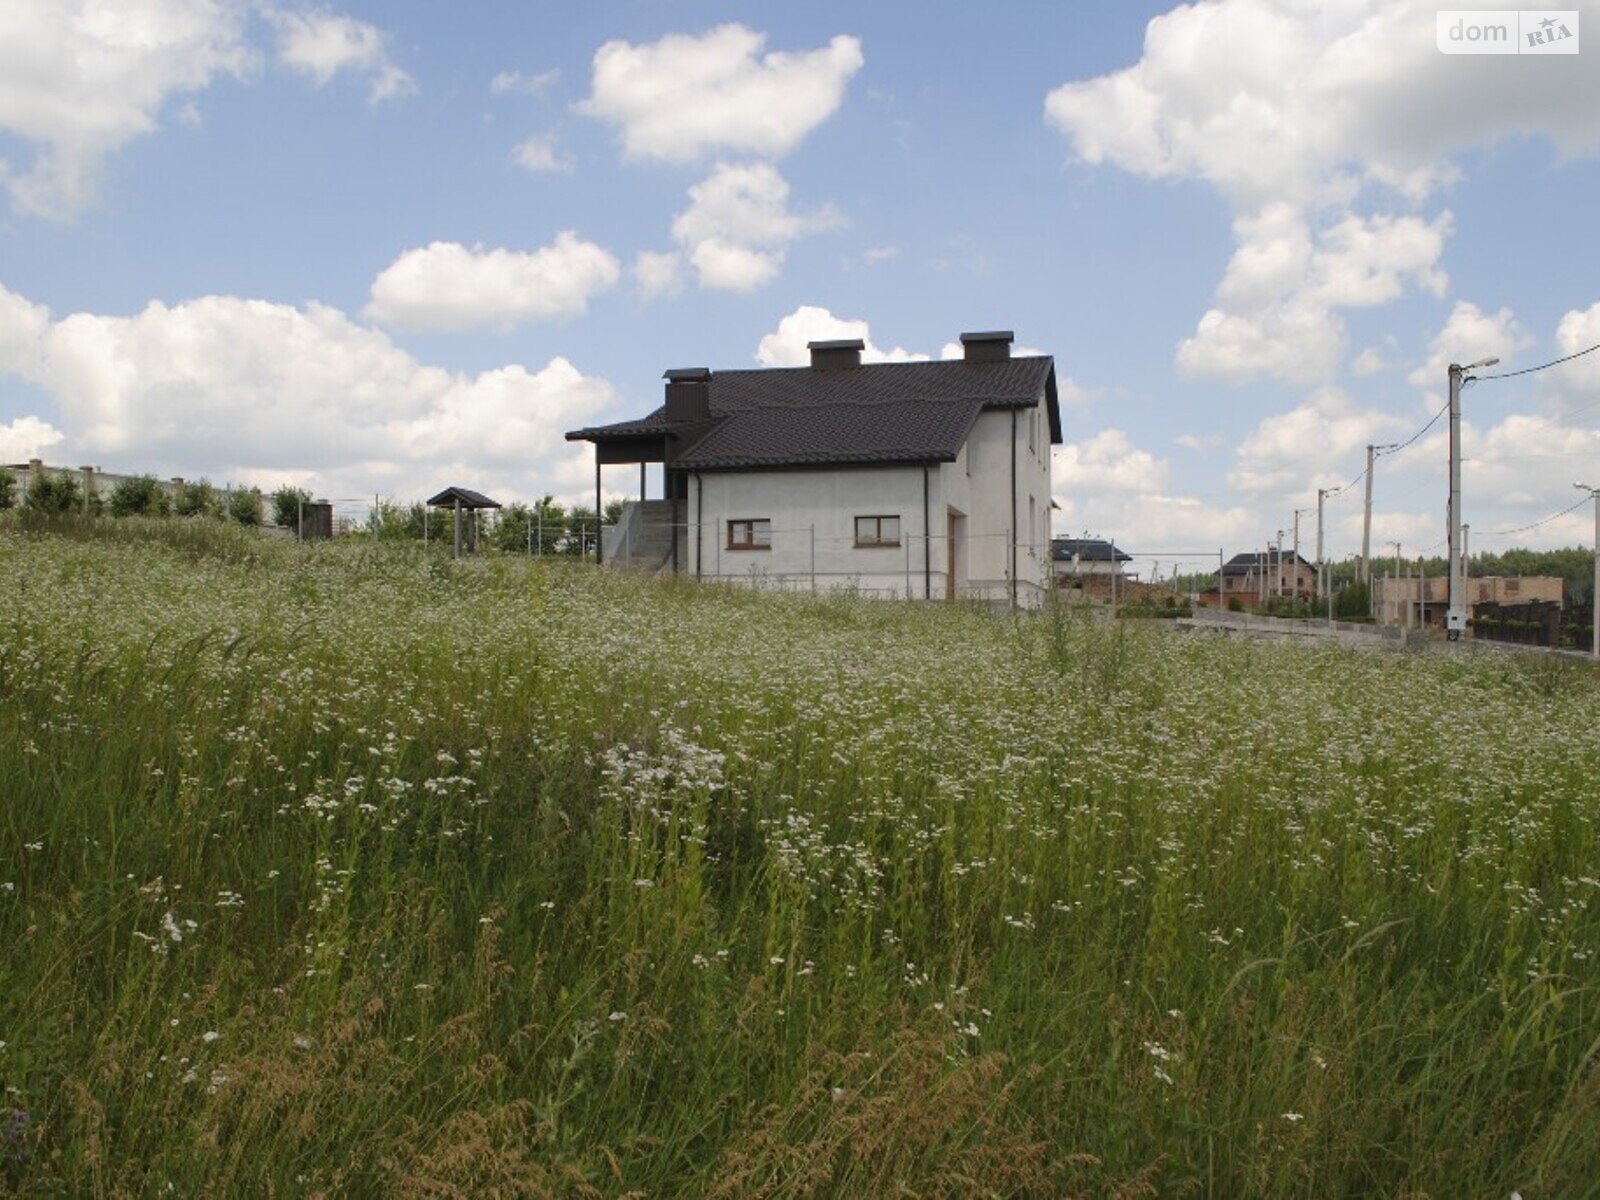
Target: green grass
column 342, row 872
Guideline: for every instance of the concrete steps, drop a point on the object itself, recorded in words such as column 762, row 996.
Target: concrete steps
column 642, row 540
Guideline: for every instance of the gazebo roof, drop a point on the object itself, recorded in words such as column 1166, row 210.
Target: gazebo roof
column 465, row 497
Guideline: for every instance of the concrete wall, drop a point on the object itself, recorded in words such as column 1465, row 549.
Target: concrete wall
column 94, row 482
column 1395, row 600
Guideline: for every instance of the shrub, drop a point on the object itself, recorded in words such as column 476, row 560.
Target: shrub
column 139, row 496
column 8, row 489
column 244, row 506
column 286, row 505
column 1352, row 602
column 197, row 499
column 1235, row 604
column 54, row 494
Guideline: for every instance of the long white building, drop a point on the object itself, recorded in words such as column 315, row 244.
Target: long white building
column 928, row 480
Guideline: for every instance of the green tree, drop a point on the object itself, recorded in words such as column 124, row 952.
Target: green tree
column 244, row 506
column 399, row 521
column 1352, row 602
column 8, row 489
column 139, row 496
column 198, row 499
column 286, row 504
column 523, row 528
column 54, row 493
column 579, row 535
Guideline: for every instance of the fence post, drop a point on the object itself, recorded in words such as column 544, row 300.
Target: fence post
column 813, row 558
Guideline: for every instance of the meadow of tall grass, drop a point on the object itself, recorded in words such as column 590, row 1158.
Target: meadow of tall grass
column 330, row 870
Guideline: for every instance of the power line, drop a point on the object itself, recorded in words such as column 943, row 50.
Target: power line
column 1536, row 524
column 1432, row 421
column 1541, row 367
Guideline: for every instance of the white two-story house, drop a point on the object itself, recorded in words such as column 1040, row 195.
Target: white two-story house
column 928, row 480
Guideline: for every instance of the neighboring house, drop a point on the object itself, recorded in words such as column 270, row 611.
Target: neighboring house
column 1087, row 564
column 917, row 479
column 1401, row 600
column 1267, row 573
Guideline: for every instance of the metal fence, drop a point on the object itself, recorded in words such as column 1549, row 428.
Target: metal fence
column 803, row 559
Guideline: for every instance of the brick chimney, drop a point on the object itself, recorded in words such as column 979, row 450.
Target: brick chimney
column 688, row 395
column 993, row 346
column 837, row 355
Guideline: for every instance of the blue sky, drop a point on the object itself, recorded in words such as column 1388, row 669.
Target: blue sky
column 274, row 242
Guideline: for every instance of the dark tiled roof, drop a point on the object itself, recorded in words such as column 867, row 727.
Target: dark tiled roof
column 1087, row 550
column 468, row 498
column 877, row 413
column 1244, row 564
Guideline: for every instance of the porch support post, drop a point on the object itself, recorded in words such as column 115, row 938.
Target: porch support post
column 597, row 509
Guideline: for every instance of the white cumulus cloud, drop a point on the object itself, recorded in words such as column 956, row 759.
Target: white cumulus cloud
column 683, row 97
column 1293, row 112
column 786, row 345
column 25, row 438
column 322, row 44
column 255, row 391
column 528, row 85
column 81, row 78
column 738, row 226
column 1469, row 335
column 1289, row 455
column 539, row 152
column 1576, row 383
column 1107, row 486
column 448, row 286
column 658, row 274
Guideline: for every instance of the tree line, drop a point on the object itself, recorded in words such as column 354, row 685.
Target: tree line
column 544, row 527
column 57, row 493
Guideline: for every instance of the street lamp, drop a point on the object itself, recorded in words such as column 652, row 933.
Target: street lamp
column 1594, row 599
column 1456, row 613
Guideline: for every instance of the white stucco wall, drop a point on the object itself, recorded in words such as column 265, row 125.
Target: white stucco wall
column 813, row 528
column 813, row 521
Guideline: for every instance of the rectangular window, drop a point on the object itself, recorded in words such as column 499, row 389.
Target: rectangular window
column 750, row 533
column 877, row 531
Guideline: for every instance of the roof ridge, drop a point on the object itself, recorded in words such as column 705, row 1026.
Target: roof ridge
column 913, row 362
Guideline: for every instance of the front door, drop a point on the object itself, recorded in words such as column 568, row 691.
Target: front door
column 955, row 555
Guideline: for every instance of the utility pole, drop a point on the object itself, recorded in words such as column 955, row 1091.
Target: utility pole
column 1366, row 520
column 1322, row 496
column 1395, row 574
column 1298, row 513
column 1594, row 599
column 1455, row 613
column 1455, row 620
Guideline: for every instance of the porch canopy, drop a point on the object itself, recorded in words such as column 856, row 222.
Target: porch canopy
column 461, row 500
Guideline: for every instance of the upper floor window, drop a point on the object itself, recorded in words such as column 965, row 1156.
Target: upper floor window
column 750, row 533
column 877, row 531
